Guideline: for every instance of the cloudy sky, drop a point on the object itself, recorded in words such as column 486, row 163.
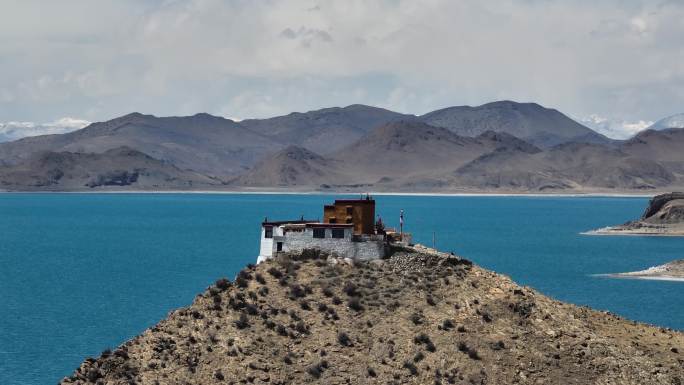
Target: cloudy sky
column 615, row 64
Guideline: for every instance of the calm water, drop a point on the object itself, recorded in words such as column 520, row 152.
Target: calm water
column 83, row 272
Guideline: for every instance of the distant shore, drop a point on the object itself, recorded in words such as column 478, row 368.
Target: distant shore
column 316, row 192
column 671, row 271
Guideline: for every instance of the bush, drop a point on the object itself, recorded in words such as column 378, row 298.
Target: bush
column 251, row 309
column 351, row 289
column 218, row 375
column 322, row 307
column 327, row 291
column 371, row 372
column 223, row 284
column 260, row 278
column 411, row 367
column 275, row 273
column 343, row 339
column 430, row 300
column 263, row 291
column 317, row 369
column 241, row 282
column 242, row 322
column 281, row 330
column 297, row 291
column 304, row 304
column 498, row 345
column 461, row 329
column 447, row 324
column 418, row 357
column 421, row 338
column 287, row 359
column 245, row 275
column 355, row 304
column 336, row 300
column 416, row 318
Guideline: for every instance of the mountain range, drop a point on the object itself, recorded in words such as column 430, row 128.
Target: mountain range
column 501, row 146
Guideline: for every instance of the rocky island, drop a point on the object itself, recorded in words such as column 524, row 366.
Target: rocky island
column 418, row 316
column 663, row 216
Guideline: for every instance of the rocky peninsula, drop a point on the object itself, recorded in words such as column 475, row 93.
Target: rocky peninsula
column 418, row 317
column 663, row 216
column 671, row 271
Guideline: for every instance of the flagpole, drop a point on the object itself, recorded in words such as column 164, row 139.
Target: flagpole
column 401, row 225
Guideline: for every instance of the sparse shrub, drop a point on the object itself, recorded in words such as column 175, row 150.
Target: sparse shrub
column 498, row 345
column 418, row 357
column 260, row 278
column 411, row 368
column 317, row 369
column 327, row 291
column 421, row 338
column 275, row 273
column 486, row 317
column 263, row 291
column 322, row 307
column 472, row 353
column 304, row 305
column 251, row 309
column 219, row 376
column 197, row 315
column 301, row 328
column 461, row 329
column 297, row 291
column 223, row 284
column 241, row 282
column 242, row 322
column 462, row 346
column 252, row 295
column 430, row 300
column 245, row 274
column 416, row 318
column 351, row 289
column 336, row 300
column 430, row 347
column 281, row 330
column 355, row 304
column 371, row 372
column 287, row 359
column 447, row 324
column 343, row 339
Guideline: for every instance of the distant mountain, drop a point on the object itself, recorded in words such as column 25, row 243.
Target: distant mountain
column 120, row 167
column 500, row 146
column 674, row 121
column 575, row 166
column 531, row 122
column 291, row 167
column 323, row 131
column 202, row 142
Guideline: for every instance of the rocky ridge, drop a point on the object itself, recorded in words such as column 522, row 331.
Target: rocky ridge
column 418, row 317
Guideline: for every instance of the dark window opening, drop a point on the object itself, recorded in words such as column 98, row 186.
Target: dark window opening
column 332, row 220
column 349, row 210
column 319, row 233
column 268, row 233
column 279, row 246
column 349, row 220
column 338, row 233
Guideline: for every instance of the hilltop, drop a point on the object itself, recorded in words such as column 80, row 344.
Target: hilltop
column 417, row 317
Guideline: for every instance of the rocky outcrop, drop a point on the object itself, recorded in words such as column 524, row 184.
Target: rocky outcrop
column 663, row 216
column 417, row 317
column 665, row 208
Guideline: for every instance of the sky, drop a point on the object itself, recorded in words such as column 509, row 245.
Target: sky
column 615, row 65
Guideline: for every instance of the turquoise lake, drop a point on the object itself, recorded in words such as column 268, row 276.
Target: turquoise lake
column 83, row 272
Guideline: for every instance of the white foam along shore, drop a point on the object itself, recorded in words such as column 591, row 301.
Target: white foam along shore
column 618, row 231
column 671, row 271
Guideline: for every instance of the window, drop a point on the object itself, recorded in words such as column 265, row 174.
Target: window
column 332, row 220
column 338, row 233
column 268, row 232
column 279, row 246
column 319, row 233
column 350, row 209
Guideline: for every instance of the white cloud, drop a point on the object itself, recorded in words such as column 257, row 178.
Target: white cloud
column 17, row 130
column 615, row 128
column 245, row 58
